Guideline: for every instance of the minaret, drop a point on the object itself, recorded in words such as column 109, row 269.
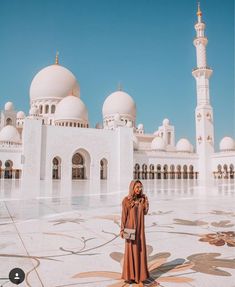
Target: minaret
column 203, row 111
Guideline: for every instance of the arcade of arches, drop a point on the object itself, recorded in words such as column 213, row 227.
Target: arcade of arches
column 78, row 167
column 224, row 171
column 178, row 172
column 143, row 171
column 164, row 172
column 7, row 170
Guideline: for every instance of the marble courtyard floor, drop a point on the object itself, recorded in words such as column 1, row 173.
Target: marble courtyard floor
column 64, row 234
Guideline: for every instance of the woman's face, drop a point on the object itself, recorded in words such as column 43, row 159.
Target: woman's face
column 138, row 188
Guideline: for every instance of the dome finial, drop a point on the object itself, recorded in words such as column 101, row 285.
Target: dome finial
column 119, row 86
column 57, row 58
column 199, row 12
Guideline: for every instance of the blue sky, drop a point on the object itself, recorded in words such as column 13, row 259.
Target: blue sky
column 144, row 44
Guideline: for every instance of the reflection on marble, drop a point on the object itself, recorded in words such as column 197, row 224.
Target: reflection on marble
column 67, row 234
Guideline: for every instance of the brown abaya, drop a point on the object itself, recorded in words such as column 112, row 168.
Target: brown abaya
column 135, row 258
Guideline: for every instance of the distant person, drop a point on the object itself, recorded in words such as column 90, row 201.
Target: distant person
column 134, row 207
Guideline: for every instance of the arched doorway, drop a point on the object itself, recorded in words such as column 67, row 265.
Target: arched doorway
column 219, row 171
column 103, row 169
column 151, row 171
column 158, row 171
column 191, row 172
column 165, row 171
column 185, row 172
column 78, row 167
column 144, row 171
column 9, row 121
column 8, row 169
column 178, row 172
column 225, row 171
column 172, row 171
column 137, row 171
column 231, row 171
column 56, row 168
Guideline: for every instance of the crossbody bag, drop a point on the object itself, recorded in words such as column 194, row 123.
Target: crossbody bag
column 130, row 233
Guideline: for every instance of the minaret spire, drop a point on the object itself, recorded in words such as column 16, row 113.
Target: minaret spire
column 119, row 86
column 203, row 111
column 199, row 13
column 57, row 58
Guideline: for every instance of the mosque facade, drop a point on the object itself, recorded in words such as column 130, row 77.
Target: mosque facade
column 55, row 141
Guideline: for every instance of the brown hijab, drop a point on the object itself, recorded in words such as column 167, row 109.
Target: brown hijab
column 132, row 196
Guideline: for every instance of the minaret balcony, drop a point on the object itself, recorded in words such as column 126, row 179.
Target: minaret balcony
column 202, row 71
column 200, row 40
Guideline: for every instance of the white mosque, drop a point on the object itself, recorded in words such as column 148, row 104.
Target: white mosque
column 55, row 141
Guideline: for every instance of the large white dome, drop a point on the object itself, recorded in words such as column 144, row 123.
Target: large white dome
column 53, row 81
column 226, row 144
column 183, row 145
column 121, row 103
column 158, row 144
column 71, row 108
column 9, row 134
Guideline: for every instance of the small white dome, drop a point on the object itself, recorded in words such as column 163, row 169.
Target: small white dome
column 135, row 142
column 183, row 145
column 71, row 108
column 53, row 81
column 165, row 122
column 140, row 127
column 9, row 134
column 121, row 103
column 9, row 106
column 20, row 115
column 226, row 144
column 158, row 144
column 33, row 111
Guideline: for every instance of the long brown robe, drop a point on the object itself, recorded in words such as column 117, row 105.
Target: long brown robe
column 135, row 258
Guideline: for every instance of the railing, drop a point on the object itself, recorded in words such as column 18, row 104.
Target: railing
column 202, row 68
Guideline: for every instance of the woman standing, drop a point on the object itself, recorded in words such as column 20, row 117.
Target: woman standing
column 134, row 207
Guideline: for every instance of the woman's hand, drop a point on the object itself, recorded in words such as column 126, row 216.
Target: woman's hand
column 122, row 234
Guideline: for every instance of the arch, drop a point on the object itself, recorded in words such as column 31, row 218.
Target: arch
column 8, row 169
column 178, row 172
column 151, row 171
column 219, row 173
column 52, row 109
column 81, row 164
column 8, row 121
column 172, row 171
column 144, row 171
column 56, row 168
column 225, row 172
column 231, row 171
column 40, row 109
column 159, row 173
column 191, row 172
column 185, row 171
column 46, row 109
column 165, row 171
column 137, row 171
column 103, row 168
